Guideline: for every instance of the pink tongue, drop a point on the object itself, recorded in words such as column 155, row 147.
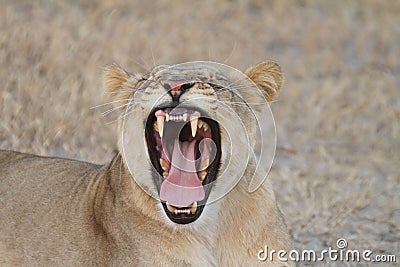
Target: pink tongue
column 182, row 187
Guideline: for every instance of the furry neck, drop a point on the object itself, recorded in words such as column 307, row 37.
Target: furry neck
column 124, row 212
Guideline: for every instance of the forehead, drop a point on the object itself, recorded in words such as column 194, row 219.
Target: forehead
column 190, row 73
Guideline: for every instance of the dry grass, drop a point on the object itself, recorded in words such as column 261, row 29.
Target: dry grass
column 338, row 116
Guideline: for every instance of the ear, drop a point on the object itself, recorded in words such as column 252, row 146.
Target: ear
column 119, row 84
column 268, row 77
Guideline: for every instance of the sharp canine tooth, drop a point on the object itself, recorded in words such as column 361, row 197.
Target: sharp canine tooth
column 184, row 117
column 160, row 125
column 193, row 208
column 170, row 208
column 193, row 124
column 202, row 175
column 164, row 165
column 205, row 164
column 165, row 174
column 205, row 126
column 167, row 117
column 155, row 126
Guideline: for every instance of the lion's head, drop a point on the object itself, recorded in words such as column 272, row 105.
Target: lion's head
column 187, row 131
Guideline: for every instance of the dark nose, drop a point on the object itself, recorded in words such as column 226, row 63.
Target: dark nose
column 176, row 88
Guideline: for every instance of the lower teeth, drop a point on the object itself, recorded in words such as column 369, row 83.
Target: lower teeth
column 188, row 211
column 202, row 175
column 182, row 211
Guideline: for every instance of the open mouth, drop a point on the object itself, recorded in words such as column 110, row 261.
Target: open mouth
column 184, row 147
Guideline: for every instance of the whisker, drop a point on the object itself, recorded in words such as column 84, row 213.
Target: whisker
column 144, row 69
column 231, row 53
column 209, row 53
column 124, row 90
column 152, row 55
column 110, row 103
column 144, row 63
column 123, row 115
column 126, row 113
column 240, row 103
column 105, row 113
column 247, row 103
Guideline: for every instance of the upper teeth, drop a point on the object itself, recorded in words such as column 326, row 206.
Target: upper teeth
column 194, row 122
column 202, row 175
column 205, row 164
column 176, row 117
column 194, row 119
column 164, row 165
column 160, row 124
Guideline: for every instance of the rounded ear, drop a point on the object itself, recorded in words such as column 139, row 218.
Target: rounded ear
column 268, row 77
column 119, row 84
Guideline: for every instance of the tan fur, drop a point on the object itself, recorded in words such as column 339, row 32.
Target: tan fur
column 115, row 77
column 268, row 77
column 57, row 212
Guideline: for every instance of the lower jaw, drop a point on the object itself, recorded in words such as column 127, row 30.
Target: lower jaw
column 186, row 219
column 182, row 210
column 185, row 215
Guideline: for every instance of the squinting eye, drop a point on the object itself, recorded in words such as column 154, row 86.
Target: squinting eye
column 186, row 86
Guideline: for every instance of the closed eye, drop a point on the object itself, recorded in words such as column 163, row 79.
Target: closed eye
column 186, row 86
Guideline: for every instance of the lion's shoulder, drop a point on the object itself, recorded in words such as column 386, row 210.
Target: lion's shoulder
column 24, row 164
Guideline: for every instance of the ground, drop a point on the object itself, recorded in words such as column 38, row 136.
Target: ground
column 336, row 172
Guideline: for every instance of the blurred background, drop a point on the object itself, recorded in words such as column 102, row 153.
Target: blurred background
column 336, row 172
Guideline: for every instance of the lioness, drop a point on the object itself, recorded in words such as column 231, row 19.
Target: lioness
column 161, row 200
